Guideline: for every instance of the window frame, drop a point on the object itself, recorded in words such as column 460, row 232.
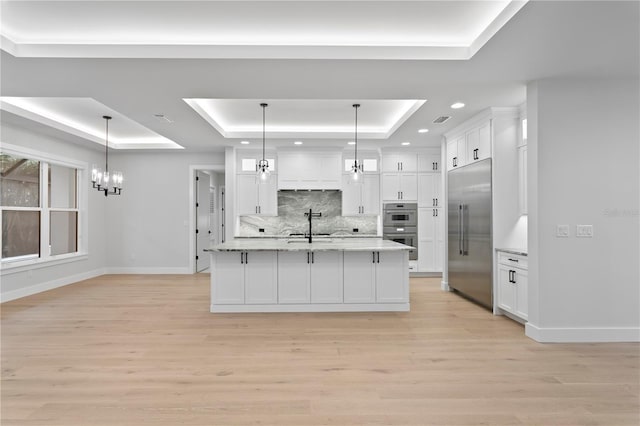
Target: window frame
column 20, row 263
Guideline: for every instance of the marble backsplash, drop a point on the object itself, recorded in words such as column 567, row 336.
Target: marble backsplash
column 292, row 205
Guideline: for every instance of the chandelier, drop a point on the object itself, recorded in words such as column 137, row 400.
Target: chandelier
column 110, row 184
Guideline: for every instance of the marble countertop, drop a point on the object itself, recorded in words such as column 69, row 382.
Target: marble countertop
column 319, row 244
column 520, row 251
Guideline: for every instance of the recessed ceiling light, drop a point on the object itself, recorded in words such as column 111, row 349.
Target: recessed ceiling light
column 406, row 143
column 244, row 142
column 297, row 143
column 423, row 131
column 351, row 143
column 457, row 105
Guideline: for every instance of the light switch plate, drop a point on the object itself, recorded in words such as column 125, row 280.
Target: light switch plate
column 562, row 231
column 584, row 231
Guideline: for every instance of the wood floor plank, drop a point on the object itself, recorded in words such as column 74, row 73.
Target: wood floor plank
column 144, row 350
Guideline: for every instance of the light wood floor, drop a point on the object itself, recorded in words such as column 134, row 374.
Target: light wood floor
column 144, row 350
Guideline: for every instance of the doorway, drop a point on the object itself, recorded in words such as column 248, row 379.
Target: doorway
column 206, row 206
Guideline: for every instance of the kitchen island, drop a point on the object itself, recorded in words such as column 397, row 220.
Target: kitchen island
column 292, row 275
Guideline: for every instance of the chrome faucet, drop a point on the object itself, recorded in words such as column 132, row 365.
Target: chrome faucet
column 311, row 215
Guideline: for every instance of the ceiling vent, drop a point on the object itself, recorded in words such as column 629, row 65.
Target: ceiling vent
column 441, row 119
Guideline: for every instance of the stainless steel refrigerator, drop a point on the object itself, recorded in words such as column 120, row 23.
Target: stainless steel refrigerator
column 470, row 257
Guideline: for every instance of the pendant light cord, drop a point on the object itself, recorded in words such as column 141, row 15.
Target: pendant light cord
column 106, row 144
column 356, row 106
column 264, row 106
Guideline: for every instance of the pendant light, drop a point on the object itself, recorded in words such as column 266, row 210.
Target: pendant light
column 356, row 169
column 264, row 174
column 110, row 184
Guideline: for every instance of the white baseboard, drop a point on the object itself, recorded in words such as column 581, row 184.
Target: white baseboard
column 444, row 285
column 49, row 285
column 310, row 307
column 150, row 271
column 582, row 335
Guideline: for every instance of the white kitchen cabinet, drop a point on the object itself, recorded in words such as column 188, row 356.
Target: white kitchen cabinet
column 293, row 277
column 429, row 189
column 400, row 186
column 326, row 277
column 522, row 179
column 512, row 284
column 256, row 198
column 310, row 170
column 228, row 278
column 359, row 277
column 430, row 239
column 310, row 277
column 373, row 277
column 455, row 152
column 401, row 162
column 243, row 277
column 478, row 143
column 363, row 199
column 389, row 266
column 260, row 277
column 429, row 162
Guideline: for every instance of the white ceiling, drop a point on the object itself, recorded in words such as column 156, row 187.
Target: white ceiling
column 254, row 29
column 306, row 118
column 575, row 39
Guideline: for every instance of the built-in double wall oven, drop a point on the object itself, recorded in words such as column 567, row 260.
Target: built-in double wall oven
column 400, row 224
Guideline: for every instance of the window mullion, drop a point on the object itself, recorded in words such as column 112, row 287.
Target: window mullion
column 45, row 246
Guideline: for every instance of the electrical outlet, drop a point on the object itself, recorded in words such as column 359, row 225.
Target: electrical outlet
column 584, row 231
column 562, row 231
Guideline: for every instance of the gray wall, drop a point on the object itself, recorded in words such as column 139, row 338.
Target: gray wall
column 583, row 169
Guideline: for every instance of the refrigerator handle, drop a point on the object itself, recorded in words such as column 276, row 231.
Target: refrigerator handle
column 465, row 237
column 460, row 230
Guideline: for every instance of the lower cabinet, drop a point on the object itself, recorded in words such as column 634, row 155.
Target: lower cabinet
column 377, row 276
column 430, row 239
column 310, row 277
column 245, row 277
column 513, row 285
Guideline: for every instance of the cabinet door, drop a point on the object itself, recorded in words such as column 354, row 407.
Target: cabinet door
column 426, row 185
column 452, row 154
column 267, row 197
column 248, row 201
column 408, row 186
column 329, row 170
column 439, row 240
column 261, row 277
column 293, row 277
column 227, row 278
column 471, row 146
column 326, row 277
column 392, row 276
column 391, row 186
column 351, row 197
column 522, row 293
column 506, row 290
column 370, row 195
column 391, row 163
column 428, row 163
column 359, row 277
column 484, row 141
column 408, row 162
column 427, row 241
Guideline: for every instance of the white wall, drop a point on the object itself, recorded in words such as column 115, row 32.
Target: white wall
column 18, row 284
column 583, row 169
column 149, row 222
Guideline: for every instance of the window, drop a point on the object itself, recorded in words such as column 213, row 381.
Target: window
column 39, row 202
column 366, row 164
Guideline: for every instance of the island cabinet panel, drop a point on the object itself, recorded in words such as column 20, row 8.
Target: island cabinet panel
column 293, row 277
column 359, row 277
column 227, row 279
column 327, row 277
column 261, row 277
column 391, row 285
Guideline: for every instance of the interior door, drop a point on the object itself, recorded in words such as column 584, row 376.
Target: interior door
column 203, row 220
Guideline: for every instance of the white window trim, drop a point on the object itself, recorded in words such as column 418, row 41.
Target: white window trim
column 13, row 265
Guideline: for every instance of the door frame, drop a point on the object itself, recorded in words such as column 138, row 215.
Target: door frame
column 218, row 168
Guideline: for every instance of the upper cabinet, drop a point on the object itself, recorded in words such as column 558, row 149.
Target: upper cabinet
column 309, row 170
column 406, row 162
column 429, row 162
column 257, row 198
column 469, row 146
column 363, row 199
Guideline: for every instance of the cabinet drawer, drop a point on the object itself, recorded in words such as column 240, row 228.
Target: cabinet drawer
column 513, row 260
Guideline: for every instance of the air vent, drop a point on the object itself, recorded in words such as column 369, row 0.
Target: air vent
column 441, row 119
